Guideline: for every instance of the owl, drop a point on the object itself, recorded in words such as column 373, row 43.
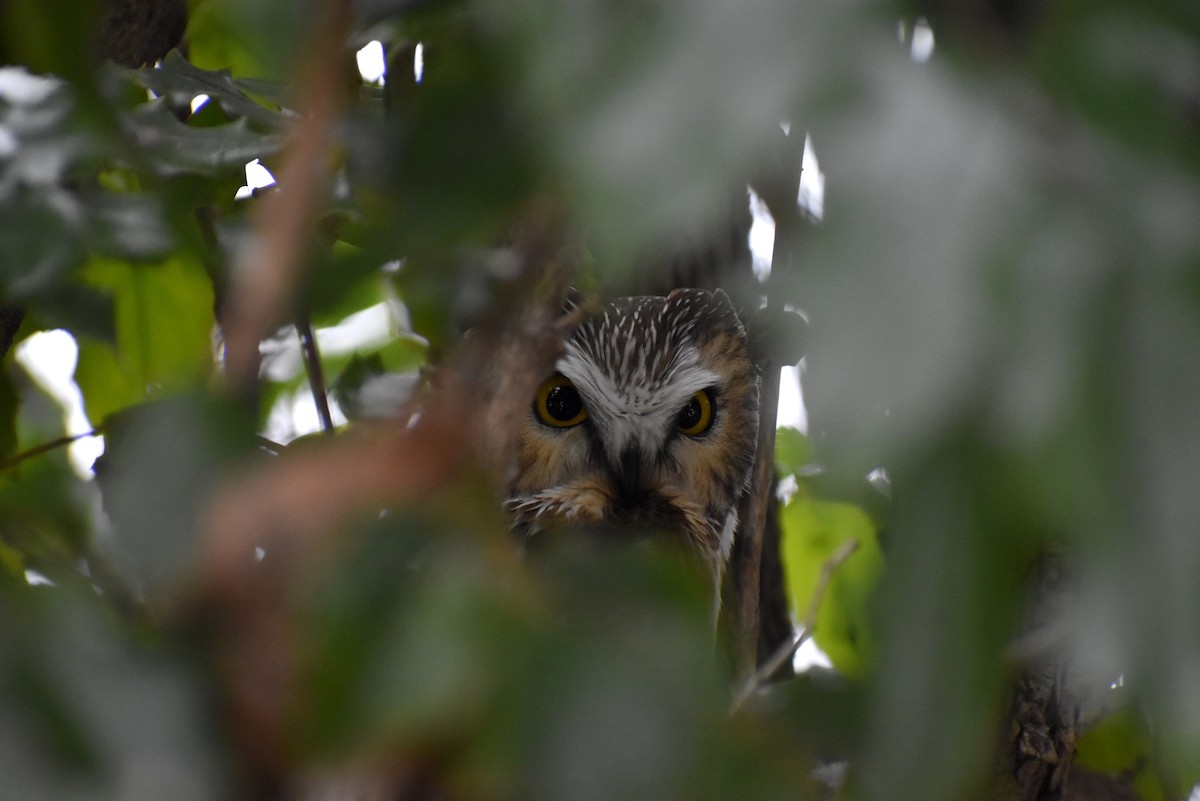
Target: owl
column 650, row 420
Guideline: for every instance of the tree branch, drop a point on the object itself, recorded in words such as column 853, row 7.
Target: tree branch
column 779, row 191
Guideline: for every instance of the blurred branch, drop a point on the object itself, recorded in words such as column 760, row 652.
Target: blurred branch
column 265, row 270
column 296, row 508
column 784, row 654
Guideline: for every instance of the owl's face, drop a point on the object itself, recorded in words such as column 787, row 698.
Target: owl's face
column 651, row 418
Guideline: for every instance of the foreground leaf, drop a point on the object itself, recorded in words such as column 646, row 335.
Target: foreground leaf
column 164, row 324
column 181, row 81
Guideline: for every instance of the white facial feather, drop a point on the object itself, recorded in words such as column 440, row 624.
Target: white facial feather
column 633, row 407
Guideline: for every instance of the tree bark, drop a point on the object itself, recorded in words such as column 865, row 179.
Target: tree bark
column 134, row 33
column 1049, row 709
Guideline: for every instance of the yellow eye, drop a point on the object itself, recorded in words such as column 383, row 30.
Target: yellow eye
column 558, row 403
column 697, row 416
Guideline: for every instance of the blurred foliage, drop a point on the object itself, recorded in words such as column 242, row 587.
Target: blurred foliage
column 1003, row 301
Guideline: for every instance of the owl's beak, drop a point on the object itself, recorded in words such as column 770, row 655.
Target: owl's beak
column 627, row 474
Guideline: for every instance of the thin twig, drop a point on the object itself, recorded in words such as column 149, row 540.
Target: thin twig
column 786, row 651
column 316, row 375
column 46, row 447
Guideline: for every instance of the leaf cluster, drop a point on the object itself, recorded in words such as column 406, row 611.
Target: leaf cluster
column 1003, row 307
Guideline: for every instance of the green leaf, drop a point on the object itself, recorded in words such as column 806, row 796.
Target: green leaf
column 105, row 386
column 174, row 147
column 812, row 532
column 164, row 323
column 179, row 80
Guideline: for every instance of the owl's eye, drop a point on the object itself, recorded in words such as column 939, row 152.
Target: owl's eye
column 558, row 403
column 696, row 417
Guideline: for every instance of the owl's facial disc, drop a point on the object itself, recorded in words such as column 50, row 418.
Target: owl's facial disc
column 632, row 425
column 642, row 418
column 651, row 419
